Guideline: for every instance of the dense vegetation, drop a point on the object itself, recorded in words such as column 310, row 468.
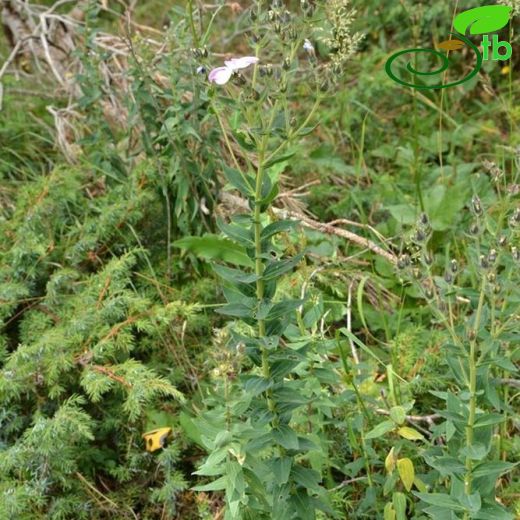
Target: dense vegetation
column 305, row 273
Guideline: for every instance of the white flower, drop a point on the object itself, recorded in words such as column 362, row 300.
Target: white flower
column 308, row 46
column 221, row 75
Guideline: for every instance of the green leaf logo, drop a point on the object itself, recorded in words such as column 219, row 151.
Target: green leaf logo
column 482, row 20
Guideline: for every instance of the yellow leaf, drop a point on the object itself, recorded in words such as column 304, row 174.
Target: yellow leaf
column 389, row 513
column 390, row 461
column 156, row 439
column 410, row 433
column 406, row 472
column 450, row 45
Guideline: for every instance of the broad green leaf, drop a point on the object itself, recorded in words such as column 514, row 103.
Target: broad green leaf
column 446, row 465
column 238, row 310
column 399, row 502
column 240, row 181
column 496, row 467
column 216, row 485
column 286, row 437
column 308, row 478
column 482, row 20
column 406, row 472
column 255, row 385
column 283, row 309
column 234, row 275
column 488, row 420
column 279, row 159
column 278, row 227
column 397, row 414
column 380, row 430
column 213, row 247
column 440, row 500
column 237, row 232
column 277, row 268
column 281, row 467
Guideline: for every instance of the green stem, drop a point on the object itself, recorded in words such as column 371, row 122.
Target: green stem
column 468, row 479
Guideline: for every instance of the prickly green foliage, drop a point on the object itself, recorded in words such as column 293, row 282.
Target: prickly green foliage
column 79, row 321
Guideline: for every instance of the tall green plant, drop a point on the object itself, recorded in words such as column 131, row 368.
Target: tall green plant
column 261, row 449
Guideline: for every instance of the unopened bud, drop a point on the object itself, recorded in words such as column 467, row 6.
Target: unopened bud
column 477, row 206
column 454, row 266
column 502, row 241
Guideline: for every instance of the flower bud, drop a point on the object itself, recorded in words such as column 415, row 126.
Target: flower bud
column 416, row 272
column 502, row 241
column 492, row 277
column 448, row 277
column 471, row 335
column 286, row 65
column 403, row 261
column 515, row 253
column 492, row 256
column 423, row 219
column 474, row 229
column 477, row 206
column 427, row 258
column 454, row 266
column 419, row 236
column 483, row 262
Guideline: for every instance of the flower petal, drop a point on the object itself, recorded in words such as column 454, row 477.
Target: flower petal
column 220, row 75
column 241, row 63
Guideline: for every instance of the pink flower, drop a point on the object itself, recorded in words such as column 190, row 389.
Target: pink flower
column 221, row 75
